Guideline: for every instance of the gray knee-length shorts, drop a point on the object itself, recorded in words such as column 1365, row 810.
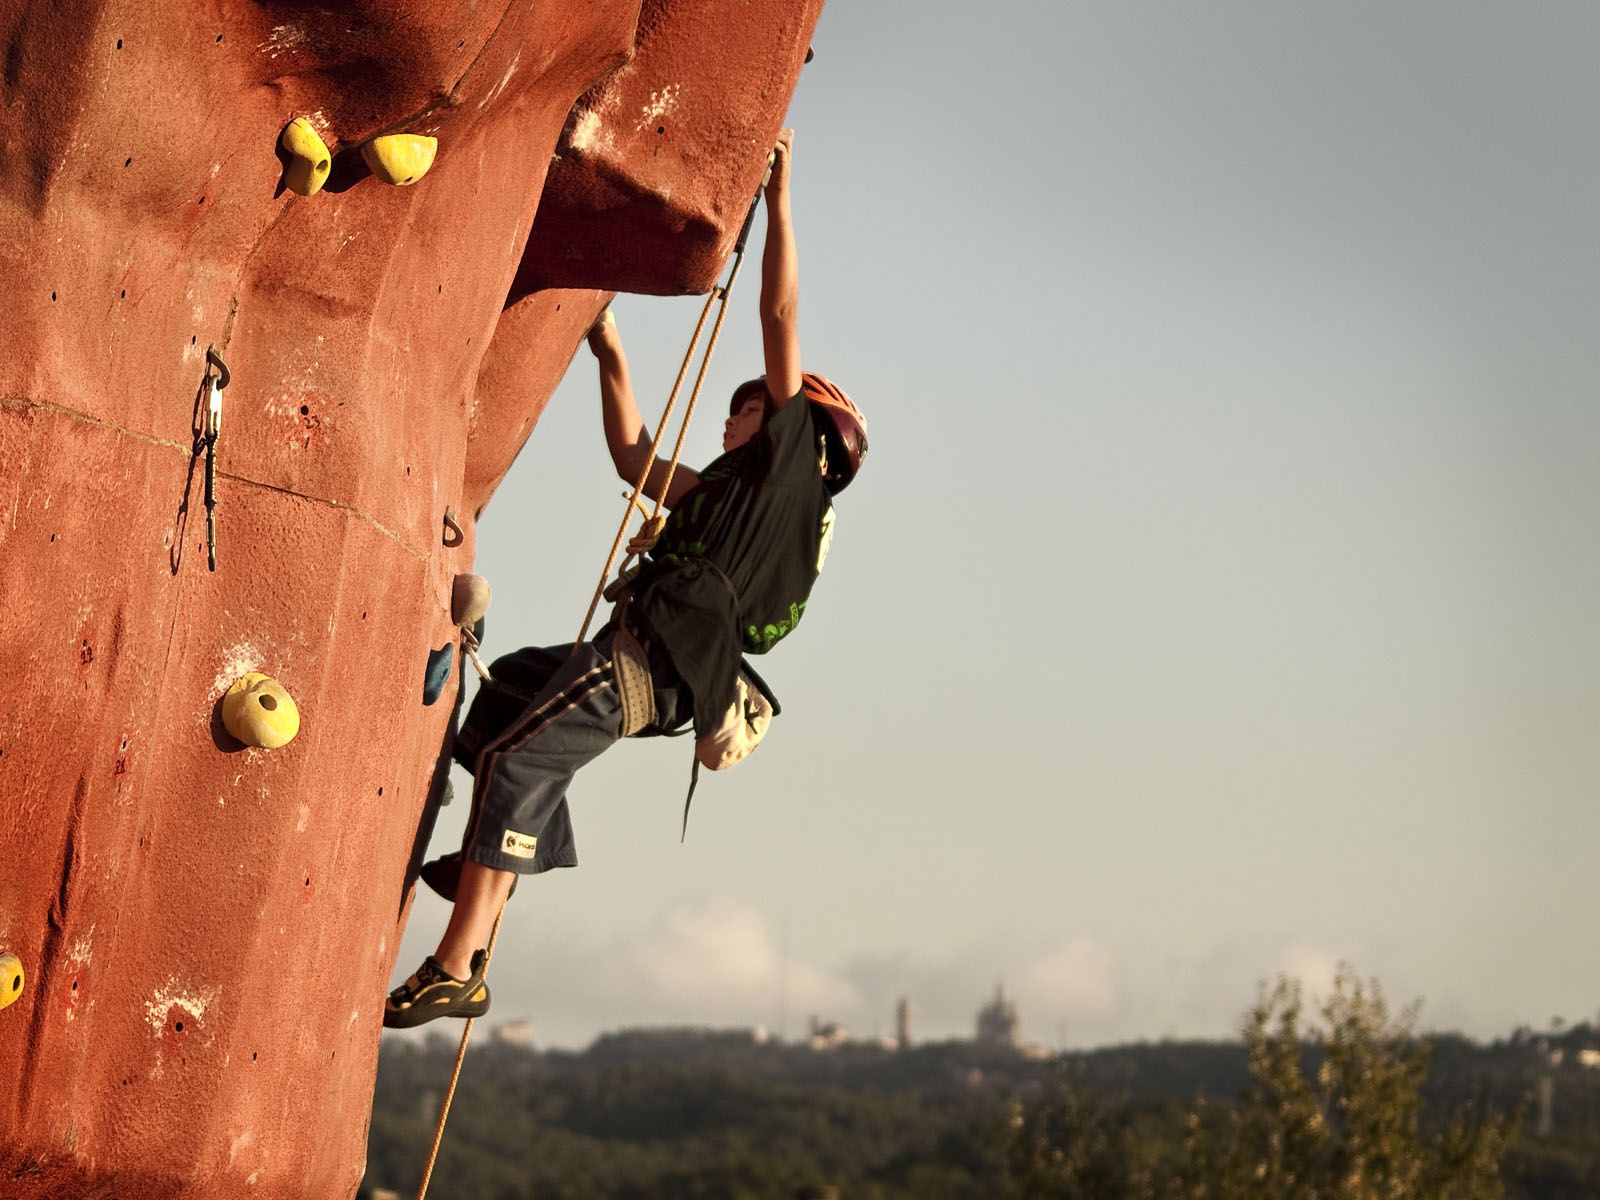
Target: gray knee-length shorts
column 548, row 712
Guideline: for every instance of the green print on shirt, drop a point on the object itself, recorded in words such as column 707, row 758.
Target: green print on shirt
column 685, row 521
column 759, row 639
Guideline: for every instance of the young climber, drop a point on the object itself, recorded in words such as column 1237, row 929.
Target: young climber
column 730, row 574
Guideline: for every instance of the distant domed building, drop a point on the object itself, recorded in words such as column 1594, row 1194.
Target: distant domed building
column 998, row 1023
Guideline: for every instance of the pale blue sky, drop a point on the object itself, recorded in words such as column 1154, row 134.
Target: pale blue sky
column 1219, row 595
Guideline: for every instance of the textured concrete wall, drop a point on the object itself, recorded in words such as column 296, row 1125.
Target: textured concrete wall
column 208, row 929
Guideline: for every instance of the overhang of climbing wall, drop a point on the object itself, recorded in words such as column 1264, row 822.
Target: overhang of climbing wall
column 534, row 343
column 656, row 166
column 208, row 928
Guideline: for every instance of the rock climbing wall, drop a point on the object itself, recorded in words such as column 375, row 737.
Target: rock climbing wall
column 203, row 930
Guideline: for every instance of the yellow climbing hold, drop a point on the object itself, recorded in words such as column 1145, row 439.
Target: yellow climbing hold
column 309, row 160
column 10, row 978
column 400, row 158
column 258, row 712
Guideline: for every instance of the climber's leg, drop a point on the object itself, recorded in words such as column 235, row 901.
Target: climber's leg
column 480, row 896
column 520, row 823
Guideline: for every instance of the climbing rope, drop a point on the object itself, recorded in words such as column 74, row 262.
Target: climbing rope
column 645, row 540
column 640, row 544
column 455, row 1073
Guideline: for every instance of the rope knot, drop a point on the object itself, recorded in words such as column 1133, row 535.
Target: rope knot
column 649, row 533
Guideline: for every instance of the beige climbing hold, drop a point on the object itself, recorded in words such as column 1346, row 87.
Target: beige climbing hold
column 258, row 712
column 11, row 978
column 400, row 158
column 469, row 599
column 309, row 160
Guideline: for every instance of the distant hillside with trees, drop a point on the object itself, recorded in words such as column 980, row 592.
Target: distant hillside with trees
column 1347, row 1102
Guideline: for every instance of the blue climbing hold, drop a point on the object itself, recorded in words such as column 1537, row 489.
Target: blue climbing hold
column 438, row 672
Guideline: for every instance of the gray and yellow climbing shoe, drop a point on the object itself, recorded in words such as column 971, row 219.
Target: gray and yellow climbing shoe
column 433, row 992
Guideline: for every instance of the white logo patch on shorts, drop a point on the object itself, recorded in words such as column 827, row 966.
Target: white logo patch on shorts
column 519, row 844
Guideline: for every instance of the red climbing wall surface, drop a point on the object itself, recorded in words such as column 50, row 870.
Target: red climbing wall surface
column 206, row 928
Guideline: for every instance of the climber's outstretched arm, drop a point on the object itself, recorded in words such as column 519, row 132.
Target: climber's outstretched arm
column 780, row 282
column 626, row 435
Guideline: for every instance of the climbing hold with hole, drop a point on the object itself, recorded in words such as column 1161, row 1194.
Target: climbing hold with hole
column 258, row 712
column 309, row 160
column 11, row 978
column 400, row 158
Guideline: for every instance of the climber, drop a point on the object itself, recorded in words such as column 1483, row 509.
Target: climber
column 731, row 572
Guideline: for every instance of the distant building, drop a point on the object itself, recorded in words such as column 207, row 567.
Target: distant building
column 514, row 1033
column 675, row 1043
column 827, row 1035
column 998, row 1023
column 902, row 1023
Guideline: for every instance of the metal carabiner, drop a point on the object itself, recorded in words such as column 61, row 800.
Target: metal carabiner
column 214, row 385
column 212, row 429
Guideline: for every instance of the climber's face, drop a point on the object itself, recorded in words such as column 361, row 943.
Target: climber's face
column 744, row 424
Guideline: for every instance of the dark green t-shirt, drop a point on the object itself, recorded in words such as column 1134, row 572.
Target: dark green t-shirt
column 734, row 566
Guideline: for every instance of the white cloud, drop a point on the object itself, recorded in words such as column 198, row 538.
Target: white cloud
column 706, row 961
column 1313, row 965
column 717, row 955
column 1073, row 980
column 718, row 961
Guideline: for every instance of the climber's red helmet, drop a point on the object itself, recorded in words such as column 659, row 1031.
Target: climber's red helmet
column 844, row 426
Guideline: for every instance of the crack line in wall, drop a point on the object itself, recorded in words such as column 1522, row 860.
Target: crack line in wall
column 15, row 402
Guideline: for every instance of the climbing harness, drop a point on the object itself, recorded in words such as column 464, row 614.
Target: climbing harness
column 210, row 428
column 637, row 546
column 630, row 669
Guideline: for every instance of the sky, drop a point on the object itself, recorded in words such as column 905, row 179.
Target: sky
column 1218, row 598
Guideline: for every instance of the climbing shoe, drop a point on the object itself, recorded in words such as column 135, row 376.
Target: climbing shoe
column 433, row 992
column 443, row 875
